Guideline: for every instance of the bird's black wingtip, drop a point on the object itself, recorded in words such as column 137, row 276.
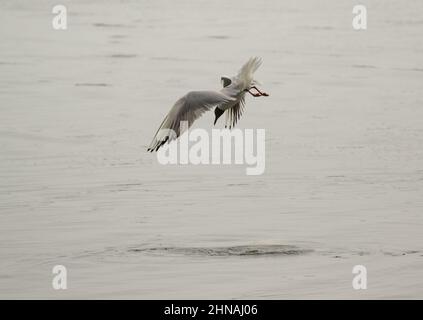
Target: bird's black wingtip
column 158, row 146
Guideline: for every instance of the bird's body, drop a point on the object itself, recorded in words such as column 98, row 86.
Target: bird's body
column 230, row 99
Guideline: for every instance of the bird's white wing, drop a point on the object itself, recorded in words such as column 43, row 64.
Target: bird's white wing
column 244, row 79
column 188, row 108
column 233, row 114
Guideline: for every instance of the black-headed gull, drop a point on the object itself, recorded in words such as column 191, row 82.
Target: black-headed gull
column 230, row 99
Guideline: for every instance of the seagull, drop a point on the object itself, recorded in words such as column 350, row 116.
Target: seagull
column 229, row 100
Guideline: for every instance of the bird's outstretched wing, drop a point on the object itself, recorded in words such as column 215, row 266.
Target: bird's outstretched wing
column 233, row 114
column 188, row 108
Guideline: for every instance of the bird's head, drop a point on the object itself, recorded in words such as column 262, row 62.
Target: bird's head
column 244, row 81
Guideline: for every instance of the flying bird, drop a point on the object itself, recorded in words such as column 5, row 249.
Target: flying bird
column 229, row 100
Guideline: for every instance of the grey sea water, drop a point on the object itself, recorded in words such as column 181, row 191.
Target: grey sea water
column 344, row 134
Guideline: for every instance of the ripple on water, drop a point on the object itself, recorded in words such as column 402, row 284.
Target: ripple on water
column 246, row 250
